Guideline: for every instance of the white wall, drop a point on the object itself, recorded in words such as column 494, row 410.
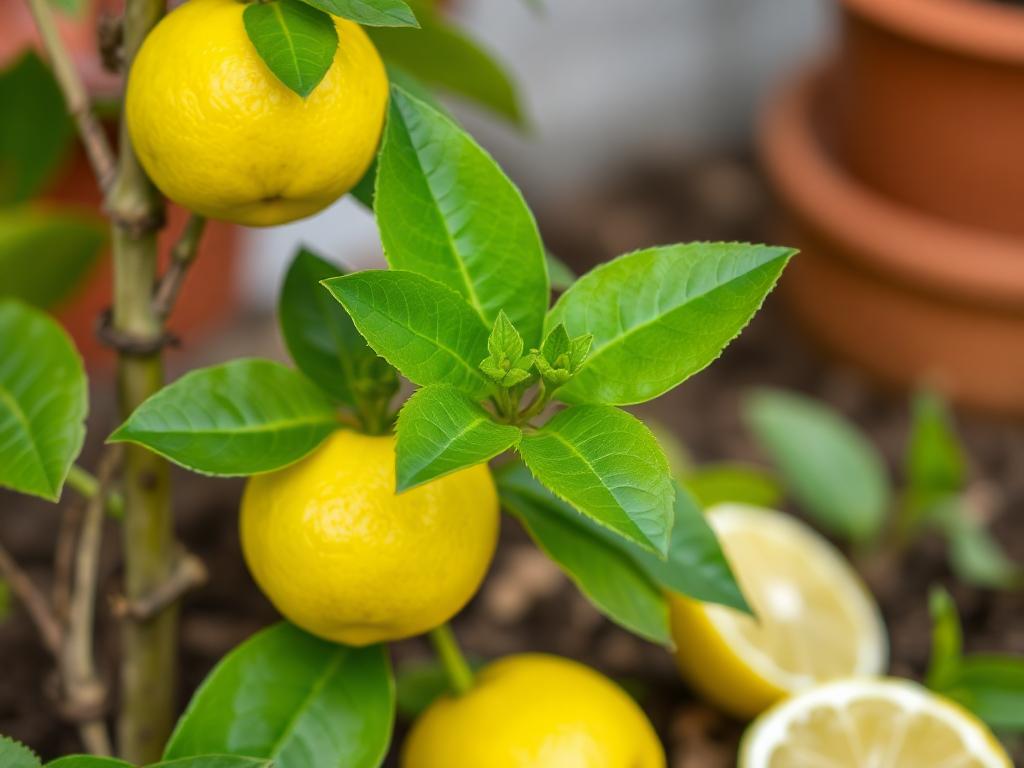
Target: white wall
column 604, row 81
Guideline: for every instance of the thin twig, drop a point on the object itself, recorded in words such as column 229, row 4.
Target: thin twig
column 64, row 559
column 84, row 691
column 97, row 148
column 188, row 574
column 182, row 256
column 32, row 598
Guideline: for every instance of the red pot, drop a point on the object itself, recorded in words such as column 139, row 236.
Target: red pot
column 903, row 294
column 929, row 100
column 209, row 295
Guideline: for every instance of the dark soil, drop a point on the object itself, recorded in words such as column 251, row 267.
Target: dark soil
column 526, row 604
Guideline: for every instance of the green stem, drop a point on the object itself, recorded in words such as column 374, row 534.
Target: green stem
column 539, row 403
column 460, row 675
column 87, row 485
column 148, row 648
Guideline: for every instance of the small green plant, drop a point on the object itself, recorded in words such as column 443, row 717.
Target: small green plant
column 840, row 480
column 990, row 685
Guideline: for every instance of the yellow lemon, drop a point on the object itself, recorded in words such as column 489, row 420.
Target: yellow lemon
column 535, row 711
column 815, row 619
column 220, row 134
column 345, row 558
column 883, row 723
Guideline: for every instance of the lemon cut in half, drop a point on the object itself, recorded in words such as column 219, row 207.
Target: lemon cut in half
column 870, row 723
column 815, row 620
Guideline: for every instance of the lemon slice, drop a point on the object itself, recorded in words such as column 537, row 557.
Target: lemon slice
column 870, row 723
column 815, row 619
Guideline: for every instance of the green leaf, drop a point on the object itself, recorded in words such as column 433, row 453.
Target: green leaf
column 696, row 565
column 14, row 754
column 442, row 56
column 446, row 210
column 660, row 315
column 991, row 686
column 441, row 430
column 216, row 761
column 87, row 761
column 371, row 13
column 713, row 484
column 292, row 698
column 35, row 143
column 5, row 600
column 976, row 556
column 240, row 418
column 296, row 41
column 935, row 464
column 423, row 328
column 43, row 402
column 830, row 467
column 947, row 640
column 420, row 683
column 45, row 255
column 599, row 566
column 321, row 338
column 609, row 466
column 561, row 274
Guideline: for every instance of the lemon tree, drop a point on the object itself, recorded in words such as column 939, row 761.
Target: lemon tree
column 366, row 518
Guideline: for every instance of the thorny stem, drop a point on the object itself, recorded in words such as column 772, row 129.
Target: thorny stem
column 460, row 675
column 97, row 148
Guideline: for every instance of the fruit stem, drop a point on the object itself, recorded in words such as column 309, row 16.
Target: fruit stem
column 460, row 674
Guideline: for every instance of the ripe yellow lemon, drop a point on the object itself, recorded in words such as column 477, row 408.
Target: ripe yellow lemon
column 815, row 619
column 535, row 711
column 220, row 134
column 882, row 723
column 343, row 557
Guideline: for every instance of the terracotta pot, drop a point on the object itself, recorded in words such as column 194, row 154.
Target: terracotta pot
column 209, row 294
column 930, row 106
column 907, row 296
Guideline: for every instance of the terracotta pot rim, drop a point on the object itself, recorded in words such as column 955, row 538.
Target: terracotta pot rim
column 979, row 28
column 961, row 264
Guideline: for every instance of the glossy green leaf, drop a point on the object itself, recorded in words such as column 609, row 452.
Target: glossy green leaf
column 713, row 484
column 45, row 255
column 829, row 466
column 608, row 465
column 936, row 467
column 696, row 565
column 947, row 640
column 991, row 686
column 442, row 56
column 87, row 761
column 441, row 430
column 216, row 761
column 660, row 315
column 598, row 564
column 240, row 418
column 296, row 41
column 424, row 329
column 43, row 401
column 446, row 210
column 36, row 135
column 320, row 336
column 292, row 698
column 371, row 13
column 14, row 754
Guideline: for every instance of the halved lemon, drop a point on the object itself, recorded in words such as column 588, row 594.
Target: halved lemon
column 870, row 723
column 815, row 619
